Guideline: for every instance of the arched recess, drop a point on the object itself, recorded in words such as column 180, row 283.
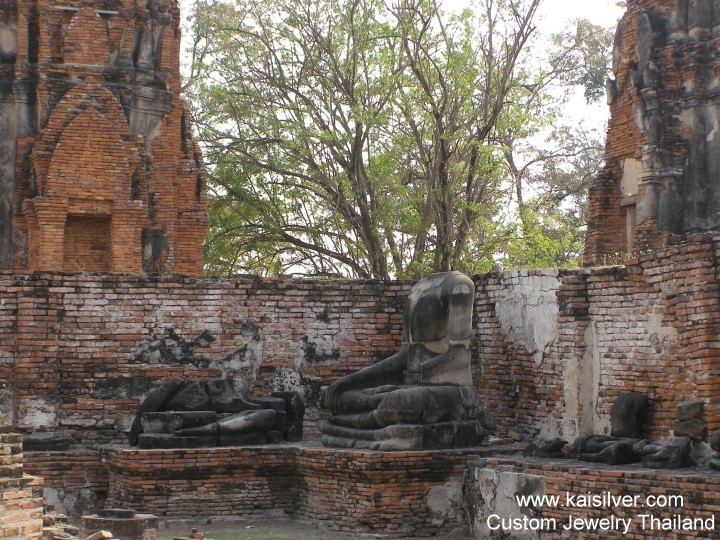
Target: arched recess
column 84, row 217
column 91, row 161
column 88, row 94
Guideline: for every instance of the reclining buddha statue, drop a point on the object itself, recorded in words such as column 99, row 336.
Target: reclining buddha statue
column 422, row 397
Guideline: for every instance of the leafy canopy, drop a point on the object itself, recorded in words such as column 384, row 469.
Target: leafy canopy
column 360, row 138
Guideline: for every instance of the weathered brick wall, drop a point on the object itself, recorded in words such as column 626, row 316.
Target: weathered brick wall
column 390, row 493
column 21, row 495
column 205, row 482
column 95, row 133
column 552, row 349
column 75, row 481
column 699, row 492
column 395, row 494
column 645, row 327
column 87, row 244
column 73, row 340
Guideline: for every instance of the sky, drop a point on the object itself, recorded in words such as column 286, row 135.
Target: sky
column 555, row 14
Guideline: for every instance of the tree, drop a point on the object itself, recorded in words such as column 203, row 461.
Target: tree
column 550, row 230
column 356, row 138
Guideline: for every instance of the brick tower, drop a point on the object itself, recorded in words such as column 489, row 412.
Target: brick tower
column 98, row 168
column 662, row 158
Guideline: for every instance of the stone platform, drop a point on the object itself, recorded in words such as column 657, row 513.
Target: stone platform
column 682, row 503
column 390, row 494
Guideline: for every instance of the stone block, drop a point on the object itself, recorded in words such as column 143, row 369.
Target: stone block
column 688, row 410
column 137, row 527
column 695, row 428
column 241, row 439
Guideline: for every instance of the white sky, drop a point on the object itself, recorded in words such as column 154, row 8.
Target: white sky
column 554, row 14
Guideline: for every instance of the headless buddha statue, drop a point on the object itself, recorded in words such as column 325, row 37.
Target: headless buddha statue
column 422, row 397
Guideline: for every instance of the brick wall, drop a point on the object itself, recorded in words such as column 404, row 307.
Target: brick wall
column 390, row 493
column 87, row 244
column 21, row 504
column 394, row 494
column 70, row 341
column 75, row 481
column 552, row 349
column 563, row 478
column 645, row 327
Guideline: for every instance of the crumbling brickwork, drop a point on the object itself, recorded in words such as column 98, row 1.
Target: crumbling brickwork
column 691, row 494
column 21, row 503
column 650, row 326
column 393, row 494
column 98, row 169
column 661, row 178
column 75, row 481
column 77, row 354
column 552, row 350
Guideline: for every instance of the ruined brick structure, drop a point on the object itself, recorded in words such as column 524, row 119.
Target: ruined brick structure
column 662, row 174
column 98, row 169
column 552, row 350
column 21, row 495
column 79, row 352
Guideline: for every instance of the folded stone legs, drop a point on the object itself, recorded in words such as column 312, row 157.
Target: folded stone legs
column 420, row 417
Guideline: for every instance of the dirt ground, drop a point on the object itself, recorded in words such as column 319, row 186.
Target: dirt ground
column 275, row 530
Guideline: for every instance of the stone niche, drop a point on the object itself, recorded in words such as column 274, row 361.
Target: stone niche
column 84, row 216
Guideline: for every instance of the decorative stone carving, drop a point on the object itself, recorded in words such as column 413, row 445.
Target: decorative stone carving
column 191, row 414
column 606, row 449
column 98, row 168
column 46, row 442
column 436, row 405
column 665, row 111
column 623, row 445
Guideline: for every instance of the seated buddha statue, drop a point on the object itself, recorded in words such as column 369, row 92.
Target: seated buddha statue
column 422, row 397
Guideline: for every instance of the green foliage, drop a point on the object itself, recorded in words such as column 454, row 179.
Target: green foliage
column 583, row 55
column 347, row 137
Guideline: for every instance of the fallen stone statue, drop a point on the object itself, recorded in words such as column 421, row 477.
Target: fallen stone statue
column 625, row 443
column 627, row 424
column 192, row 414
column 435, row 405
